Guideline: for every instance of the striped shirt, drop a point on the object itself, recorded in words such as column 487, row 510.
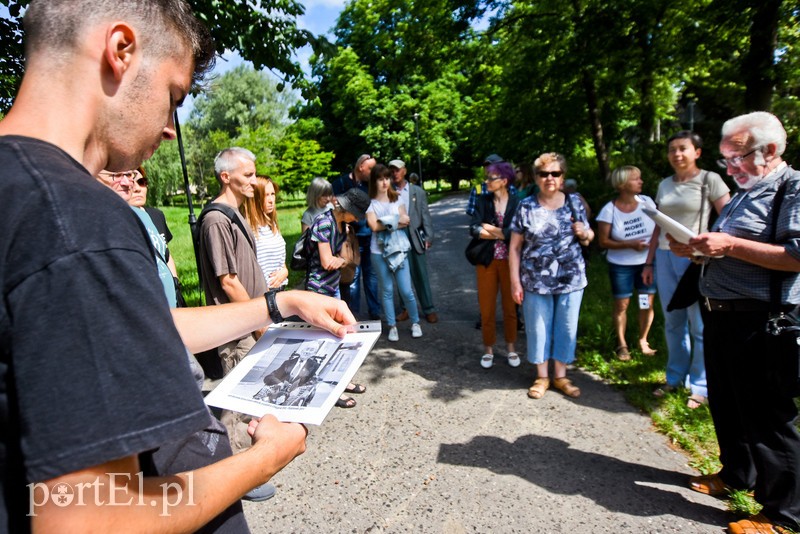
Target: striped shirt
column 270, row 251
column 324, row 230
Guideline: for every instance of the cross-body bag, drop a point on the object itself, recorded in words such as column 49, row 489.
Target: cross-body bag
column 687, row 292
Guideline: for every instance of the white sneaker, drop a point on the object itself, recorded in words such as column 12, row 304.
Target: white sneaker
column 416, row 331
column 513, row 359
column 486, row 361
column 393, row 334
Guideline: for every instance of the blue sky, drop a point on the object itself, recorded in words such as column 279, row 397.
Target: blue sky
column 319, row 19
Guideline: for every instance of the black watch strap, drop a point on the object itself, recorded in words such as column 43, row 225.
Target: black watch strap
column 272, row 307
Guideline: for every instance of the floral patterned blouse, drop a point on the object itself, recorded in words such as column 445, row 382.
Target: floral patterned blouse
column 550, row 261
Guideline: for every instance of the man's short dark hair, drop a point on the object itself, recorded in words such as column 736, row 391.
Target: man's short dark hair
column 58, row 26
column 693, row 137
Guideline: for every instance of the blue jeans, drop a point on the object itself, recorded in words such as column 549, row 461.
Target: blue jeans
column 683, row 328
column 551, row 324
column 387, row 278
column 365, row 274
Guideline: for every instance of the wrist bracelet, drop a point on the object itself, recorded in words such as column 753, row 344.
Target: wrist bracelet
column 272, row 307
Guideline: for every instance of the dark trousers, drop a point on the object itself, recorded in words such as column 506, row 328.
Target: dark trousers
column 750, row 375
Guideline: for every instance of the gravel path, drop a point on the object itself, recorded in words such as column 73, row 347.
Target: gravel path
column 437, row 444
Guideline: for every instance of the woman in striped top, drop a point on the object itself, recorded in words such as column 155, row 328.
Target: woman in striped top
column 270, row 246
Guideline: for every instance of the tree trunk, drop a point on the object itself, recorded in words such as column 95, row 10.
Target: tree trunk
column 758, row 66
column 596, row 123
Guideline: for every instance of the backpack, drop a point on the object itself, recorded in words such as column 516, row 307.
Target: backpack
column 301, row 252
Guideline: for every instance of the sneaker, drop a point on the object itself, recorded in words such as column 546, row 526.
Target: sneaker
column 486, row 361
column 513, row 359
column 393, row 334
column 416, row 331
column 261, row 493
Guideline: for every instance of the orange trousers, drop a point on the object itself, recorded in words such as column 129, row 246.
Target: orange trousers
column 491, row 278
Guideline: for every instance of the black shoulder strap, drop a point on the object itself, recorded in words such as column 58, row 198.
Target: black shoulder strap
column 776, row 277
column 231, row 214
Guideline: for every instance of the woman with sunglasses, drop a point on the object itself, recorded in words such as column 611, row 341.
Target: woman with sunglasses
column 492, row 220
column 262, row 217
column 548, row 273
column 688, row 196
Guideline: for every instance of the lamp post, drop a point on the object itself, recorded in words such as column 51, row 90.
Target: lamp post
column 419, row 156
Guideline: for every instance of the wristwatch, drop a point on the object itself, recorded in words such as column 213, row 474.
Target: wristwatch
column 272, row 306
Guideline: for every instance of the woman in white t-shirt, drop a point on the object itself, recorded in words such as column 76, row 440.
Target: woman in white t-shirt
column 625, row 231
column 688, row 196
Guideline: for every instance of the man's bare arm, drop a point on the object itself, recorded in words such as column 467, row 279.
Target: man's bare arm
column 210, row 326
column 116, row 498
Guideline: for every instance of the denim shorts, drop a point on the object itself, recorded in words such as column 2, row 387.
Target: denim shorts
column 625, row 277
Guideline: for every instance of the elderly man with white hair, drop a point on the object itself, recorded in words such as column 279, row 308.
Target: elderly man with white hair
column 750, row 279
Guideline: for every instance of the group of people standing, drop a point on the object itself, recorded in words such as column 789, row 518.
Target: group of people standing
column 538, row 235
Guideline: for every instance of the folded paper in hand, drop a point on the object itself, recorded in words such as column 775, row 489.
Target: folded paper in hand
column 670, row 226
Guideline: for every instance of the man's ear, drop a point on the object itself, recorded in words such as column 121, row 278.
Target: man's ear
column 121, row 45
column 224, row 177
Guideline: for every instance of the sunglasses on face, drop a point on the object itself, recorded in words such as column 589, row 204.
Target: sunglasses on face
column 554, row 174
column 493, row 178
column 141, row 182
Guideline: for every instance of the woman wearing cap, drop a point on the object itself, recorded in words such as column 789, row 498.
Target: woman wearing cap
column 548, row 273
column 262, row 216
column 492, row 220
column 328, row 234
column 386, row 248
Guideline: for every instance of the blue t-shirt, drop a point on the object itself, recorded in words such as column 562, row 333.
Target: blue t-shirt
column 160, row 253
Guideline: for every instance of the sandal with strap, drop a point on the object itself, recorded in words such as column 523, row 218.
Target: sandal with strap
column 566, row 387
column 757, row 524
column 661, row 391
column 539, row 387
column 356, row 388
column 345, row 402
column 623, row 354
column 695, row 401
column 710, row 485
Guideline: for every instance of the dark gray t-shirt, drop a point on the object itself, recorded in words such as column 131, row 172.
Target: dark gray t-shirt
column 91, row 366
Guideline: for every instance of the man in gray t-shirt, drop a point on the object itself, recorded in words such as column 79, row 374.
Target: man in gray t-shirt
column 228, row 261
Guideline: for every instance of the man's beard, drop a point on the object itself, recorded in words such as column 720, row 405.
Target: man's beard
column 752, row 179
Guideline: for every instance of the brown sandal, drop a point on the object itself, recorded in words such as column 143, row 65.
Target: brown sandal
column 539, row 387
column 565, row 385
column 757, row 524
column 710, row 485
column 623, row 354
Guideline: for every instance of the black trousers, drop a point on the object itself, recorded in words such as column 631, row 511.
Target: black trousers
column 751, row 377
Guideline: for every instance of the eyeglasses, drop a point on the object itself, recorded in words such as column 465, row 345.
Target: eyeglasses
column 141, row 182
column 545, row 174
column 735, row 161
column 493, row 178
column 115, row 177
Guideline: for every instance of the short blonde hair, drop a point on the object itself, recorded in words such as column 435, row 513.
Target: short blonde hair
column 620, row 176
column 550, row 157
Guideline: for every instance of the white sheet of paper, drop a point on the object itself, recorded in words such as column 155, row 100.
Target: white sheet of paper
column 295, row 372
column 668, row 225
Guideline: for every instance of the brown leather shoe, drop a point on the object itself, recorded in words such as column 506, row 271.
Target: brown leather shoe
column 758, row 524
column 403, row 316
column 432, row 318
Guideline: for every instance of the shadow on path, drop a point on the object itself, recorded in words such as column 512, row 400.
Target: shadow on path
column 614, row 484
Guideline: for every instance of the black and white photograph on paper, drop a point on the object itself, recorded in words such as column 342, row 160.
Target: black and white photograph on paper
column 295, row 372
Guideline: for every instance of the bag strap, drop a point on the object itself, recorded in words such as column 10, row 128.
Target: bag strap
column 703, row 197
column 776, row 278
column 231, row 214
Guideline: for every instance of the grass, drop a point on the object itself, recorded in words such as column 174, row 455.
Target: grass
column 690, row 430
